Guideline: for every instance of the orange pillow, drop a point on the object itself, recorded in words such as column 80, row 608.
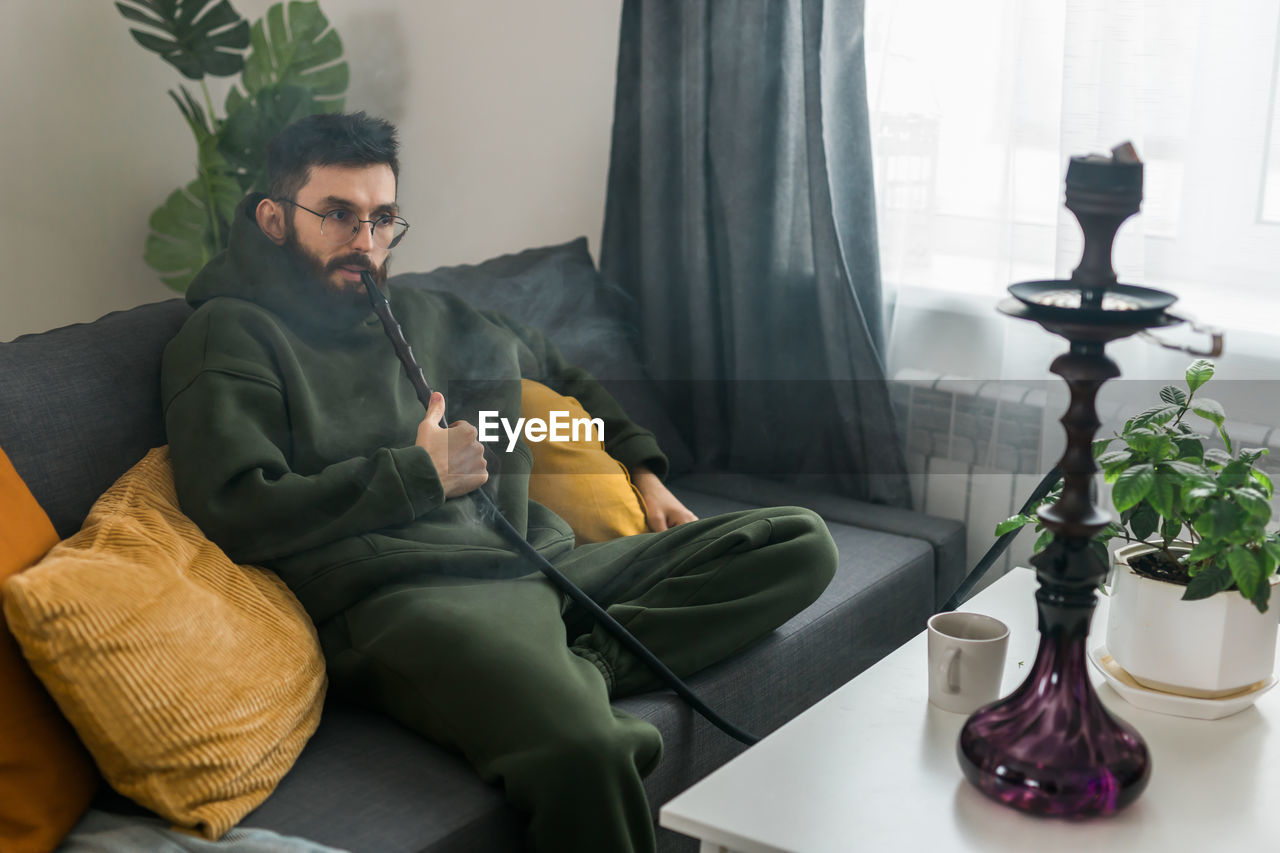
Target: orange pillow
column 46, row 777
column 578, row 480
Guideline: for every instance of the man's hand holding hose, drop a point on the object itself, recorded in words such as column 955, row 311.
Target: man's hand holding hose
column 455, row 450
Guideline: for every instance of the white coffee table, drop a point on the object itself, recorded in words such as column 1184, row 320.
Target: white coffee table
column 872, row 767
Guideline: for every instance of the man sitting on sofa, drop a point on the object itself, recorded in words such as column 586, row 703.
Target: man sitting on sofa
column 298, row 444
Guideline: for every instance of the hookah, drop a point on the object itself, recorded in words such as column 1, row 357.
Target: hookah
column 490, row 512
column 1050, row 747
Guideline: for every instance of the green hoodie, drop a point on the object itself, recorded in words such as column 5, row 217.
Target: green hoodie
column 291, row 427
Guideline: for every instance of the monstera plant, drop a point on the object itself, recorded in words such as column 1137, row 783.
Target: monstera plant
column 293, row 68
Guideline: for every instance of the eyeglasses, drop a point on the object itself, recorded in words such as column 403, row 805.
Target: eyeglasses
column 340, row 226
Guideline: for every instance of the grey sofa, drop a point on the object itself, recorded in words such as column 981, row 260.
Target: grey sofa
column 79, row 405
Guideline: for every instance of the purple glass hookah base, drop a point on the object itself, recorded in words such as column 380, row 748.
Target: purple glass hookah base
column 1050, row 747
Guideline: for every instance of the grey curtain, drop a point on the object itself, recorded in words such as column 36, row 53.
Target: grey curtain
column 741, row 221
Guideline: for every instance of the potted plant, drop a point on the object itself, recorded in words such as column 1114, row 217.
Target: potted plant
column 1189, row 599
column 293, row 68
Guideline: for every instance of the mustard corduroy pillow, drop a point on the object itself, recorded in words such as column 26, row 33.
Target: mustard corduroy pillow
column 578, row 480
column 194, row 682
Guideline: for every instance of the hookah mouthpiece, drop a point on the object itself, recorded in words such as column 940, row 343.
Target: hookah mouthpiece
column 376, row 296
column 404, row 352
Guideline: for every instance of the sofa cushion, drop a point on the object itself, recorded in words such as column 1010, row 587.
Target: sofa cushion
column 577, row 479
column 401, row 794
column 81, row 404
column 194, row 682
column 46, row 777
column 368, row 785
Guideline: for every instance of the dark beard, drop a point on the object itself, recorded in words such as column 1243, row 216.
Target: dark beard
column 322, row 274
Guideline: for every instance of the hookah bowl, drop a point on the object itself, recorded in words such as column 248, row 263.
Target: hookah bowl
column 1050, row 747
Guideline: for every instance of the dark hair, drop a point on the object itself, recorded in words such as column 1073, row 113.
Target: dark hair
column 328, row 139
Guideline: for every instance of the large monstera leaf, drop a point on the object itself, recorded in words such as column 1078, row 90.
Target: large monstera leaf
column 191, row 227
column 300, row 50
column 294, row 69
column 193, row 223
column 201, row 40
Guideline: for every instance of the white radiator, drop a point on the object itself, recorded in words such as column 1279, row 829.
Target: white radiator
column 975, row 450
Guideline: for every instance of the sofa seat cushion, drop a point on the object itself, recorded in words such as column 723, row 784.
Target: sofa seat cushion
column 366, row 784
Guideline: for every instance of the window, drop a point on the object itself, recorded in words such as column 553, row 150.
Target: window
column 977, row 107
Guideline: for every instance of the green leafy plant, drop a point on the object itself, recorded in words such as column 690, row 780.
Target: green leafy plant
column 1168, row 487
column 293, row 68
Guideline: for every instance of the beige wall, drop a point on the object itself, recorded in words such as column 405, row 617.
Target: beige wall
column 504, row 109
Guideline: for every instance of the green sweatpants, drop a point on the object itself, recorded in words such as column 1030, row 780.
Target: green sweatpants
column 518, row 679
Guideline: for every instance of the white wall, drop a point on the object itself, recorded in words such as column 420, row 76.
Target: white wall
column 504, row 109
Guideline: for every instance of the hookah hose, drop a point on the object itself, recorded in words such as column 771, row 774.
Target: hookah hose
column 489, row 510
column 998, row 547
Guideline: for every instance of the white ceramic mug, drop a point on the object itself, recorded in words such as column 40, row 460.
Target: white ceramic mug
column 966, row 660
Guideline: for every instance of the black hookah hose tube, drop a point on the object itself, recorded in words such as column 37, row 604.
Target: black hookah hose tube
column 488, row 509
column 998, row 547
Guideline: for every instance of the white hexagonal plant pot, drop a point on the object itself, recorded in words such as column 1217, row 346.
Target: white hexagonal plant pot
column 1208, row 648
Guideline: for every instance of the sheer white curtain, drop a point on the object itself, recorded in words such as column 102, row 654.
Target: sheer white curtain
column 976, row 107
